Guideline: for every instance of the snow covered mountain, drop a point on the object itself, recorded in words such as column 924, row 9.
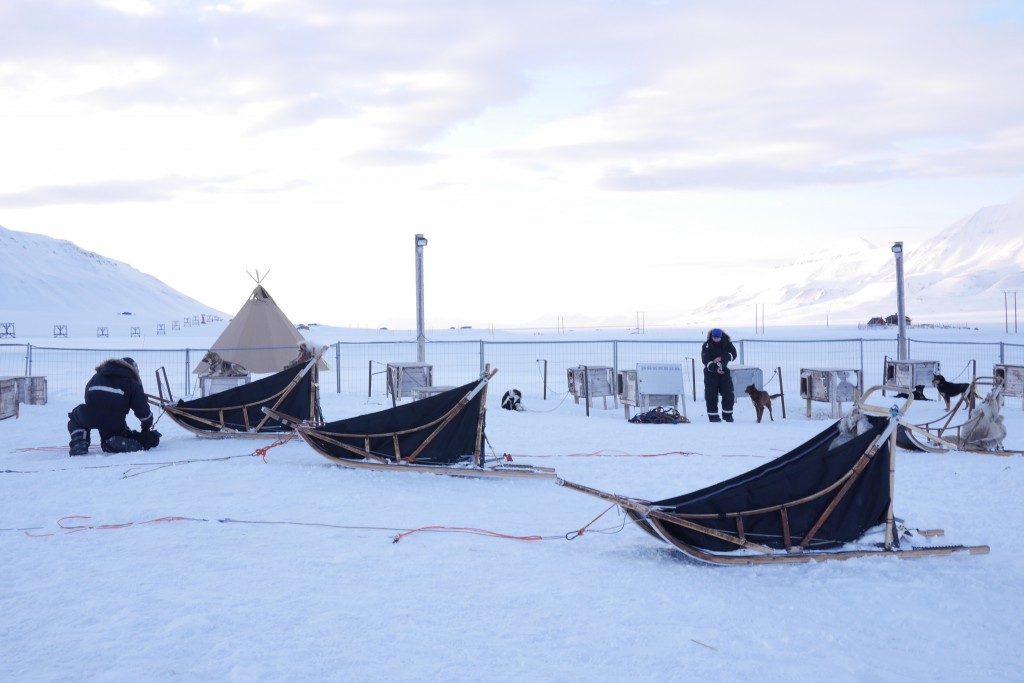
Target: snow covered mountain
column 955, row 277
column 47, row 282
column 958, row 276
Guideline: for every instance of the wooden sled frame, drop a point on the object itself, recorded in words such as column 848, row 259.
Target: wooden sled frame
column 369, row 459
column 214, row 418
column 940, row 436
column 658, row 522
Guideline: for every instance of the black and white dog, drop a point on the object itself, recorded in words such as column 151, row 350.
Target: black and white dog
column 948, row 390
column 512, row 400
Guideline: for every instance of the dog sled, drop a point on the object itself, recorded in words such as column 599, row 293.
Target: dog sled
column 830, row 498
column 440, row 434
column 238, row 412
column 981, row 431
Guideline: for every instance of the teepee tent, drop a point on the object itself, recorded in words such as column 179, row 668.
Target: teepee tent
column 260, row 337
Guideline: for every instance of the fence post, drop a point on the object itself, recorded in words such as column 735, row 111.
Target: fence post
column 483, row 367
column 1002, row 353
column 743, row 352
column 188, row 362
column 615, row 361
column 337, row 366
column 28, row 360
column 861, row 359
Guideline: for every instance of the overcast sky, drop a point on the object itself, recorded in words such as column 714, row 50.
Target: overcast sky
column 566, row 160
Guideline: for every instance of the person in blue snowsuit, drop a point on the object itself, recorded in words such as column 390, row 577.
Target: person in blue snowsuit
column 716, row 354
column 115, row 389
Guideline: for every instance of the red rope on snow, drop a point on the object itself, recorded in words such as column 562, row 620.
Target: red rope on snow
column 573, row 536
column 606, row 452
column 262, row 452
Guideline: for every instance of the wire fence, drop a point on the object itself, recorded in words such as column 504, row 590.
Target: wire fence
column 536, row 368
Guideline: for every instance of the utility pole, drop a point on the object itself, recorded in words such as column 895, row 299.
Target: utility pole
column 897, row 249
column 1006, row 312
column 421, row 340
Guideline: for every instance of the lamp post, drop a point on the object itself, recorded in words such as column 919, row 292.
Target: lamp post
column 1006, row 312
column 897, row 249
column 421, row 351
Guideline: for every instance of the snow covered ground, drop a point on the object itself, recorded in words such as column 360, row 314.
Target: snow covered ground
column 200, row 561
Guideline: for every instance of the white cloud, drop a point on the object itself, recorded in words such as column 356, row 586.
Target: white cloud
column 523, row 125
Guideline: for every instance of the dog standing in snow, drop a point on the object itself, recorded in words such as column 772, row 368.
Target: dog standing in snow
column 762, row 400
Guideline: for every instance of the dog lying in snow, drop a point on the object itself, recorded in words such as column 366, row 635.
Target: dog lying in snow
column 512, row 400
column 762, row 400
column 948, row 390
column 218, row 367
column 918, row 394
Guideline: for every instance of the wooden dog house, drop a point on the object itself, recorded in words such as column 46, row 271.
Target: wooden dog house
column 589, row 382
column 906, row 375
column 834, row 386
column 652, row 384
column 405, row 378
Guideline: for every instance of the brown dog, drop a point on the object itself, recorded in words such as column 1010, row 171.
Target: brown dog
column 762, row 399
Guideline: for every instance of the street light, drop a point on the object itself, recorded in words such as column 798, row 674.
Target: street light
column 421, row 351
column 897, row 249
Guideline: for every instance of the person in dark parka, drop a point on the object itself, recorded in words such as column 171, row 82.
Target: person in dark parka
column 716, row 354
column 115, row 389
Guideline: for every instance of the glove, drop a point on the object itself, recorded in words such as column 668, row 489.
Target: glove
column 150, row 438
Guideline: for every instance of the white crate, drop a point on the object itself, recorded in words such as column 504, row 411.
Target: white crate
column 404, row 378
column 1012, row 377
column 591, row 381
column 210, row 384
column 906, row 375
column 653, row 384
column 834, row 386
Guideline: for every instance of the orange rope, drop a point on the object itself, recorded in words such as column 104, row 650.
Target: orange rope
column 262, row 452
column 572, row 536
column 399, row 537
column 606, row 452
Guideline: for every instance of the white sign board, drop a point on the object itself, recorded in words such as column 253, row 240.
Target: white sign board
column 660, row 378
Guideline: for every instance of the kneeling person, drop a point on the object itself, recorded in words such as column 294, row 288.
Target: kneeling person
column 115, row 389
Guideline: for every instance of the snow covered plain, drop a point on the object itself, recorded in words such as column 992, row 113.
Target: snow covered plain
column 200, row 561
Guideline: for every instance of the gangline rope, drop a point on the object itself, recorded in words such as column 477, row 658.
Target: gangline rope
column 64, row 525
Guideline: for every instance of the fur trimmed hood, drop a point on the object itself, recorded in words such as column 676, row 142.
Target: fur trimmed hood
column 116, row 363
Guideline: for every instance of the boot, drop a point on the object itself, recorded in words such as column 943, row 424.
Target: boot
column 78, row 447
column 727, row 416
column 714, row 418
column 121, row 444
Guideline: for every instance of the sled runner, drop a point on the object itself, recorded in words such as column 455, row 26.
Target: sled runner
column 238, row 412
column 823, row 500
column 441, row 434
